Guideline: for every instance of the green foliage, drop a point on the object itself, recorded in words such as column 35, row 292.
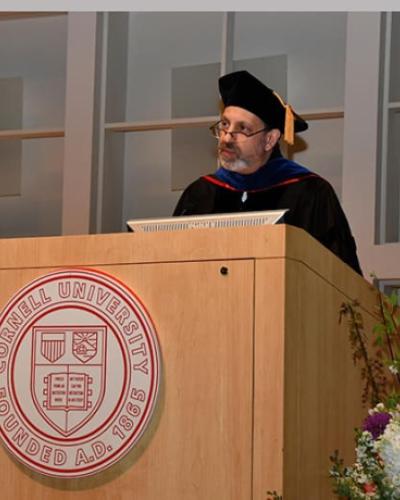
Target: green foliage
column 372, row 365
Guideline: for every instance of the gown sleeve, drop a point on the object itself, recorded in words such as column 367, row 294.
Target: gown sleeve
column 198, row 198
column 319, row 212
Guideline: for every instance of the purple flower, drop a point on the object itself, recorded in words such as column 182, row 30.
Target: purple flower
column 376, row 423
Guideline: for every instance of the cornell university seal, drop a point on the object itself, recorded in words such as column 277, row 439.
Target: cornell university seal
column 79, row 372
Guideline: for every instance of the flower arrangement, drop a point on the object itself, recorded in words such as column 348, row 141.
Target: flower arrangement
column 375, row 475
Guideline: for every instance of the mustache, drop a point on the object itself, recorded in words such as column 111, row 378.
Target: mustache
column 227, row 147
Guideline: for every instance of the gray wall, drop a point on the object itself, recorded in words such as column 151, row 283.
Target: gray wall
column 35, row 50
column 157, row 43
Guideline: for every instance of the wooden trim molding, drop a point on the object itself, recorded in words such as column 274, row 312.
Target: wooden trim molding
column 8, row 16
column 172, row 123
column 31, row 134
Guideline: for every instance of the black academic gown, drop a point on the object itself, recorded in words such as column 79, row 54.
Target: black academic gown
column 312, row 204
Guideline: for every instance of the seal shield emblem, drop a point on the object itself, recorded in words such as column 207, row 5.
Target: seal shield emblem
column 84, row 345
column 66, row 361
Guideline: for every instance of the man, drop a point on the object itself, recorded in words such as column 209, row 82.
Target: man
column 254, row 176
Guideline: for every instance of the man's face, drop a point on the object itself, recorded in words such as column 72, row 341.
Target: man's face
column 245, row 155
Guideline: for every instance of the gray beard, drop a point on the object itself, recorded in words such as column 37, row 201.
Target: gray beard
column 234, row 166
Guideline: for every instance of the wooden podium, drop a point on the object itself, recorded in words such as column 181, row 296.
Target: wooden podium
column 258, row 386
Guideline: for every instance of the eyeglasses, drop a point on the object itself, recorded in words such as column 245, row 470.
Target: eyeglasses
column 220, row 128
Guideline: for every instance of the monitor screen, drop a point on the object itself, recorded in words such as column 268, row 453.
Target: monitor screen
column 241, row 219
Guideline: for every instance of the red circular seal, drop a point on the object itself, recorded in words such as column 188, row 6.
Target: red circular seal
column 79, row 372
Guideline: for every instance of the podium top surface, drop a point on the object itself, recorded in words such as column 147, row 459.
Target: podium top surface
column 271, row 242
column 163, row 246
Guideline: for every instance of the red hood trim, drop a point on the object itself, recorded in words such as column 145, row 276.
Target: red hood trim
column 293, row 180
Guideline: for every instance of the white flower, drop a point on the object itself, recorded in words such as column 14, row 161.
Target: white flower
column 380, row 407
column 389, row 449
column 393, row 369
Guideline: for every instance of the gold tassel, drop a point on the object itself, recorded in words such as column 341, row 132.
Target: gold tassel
column 289, row 125
column 288, row 135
